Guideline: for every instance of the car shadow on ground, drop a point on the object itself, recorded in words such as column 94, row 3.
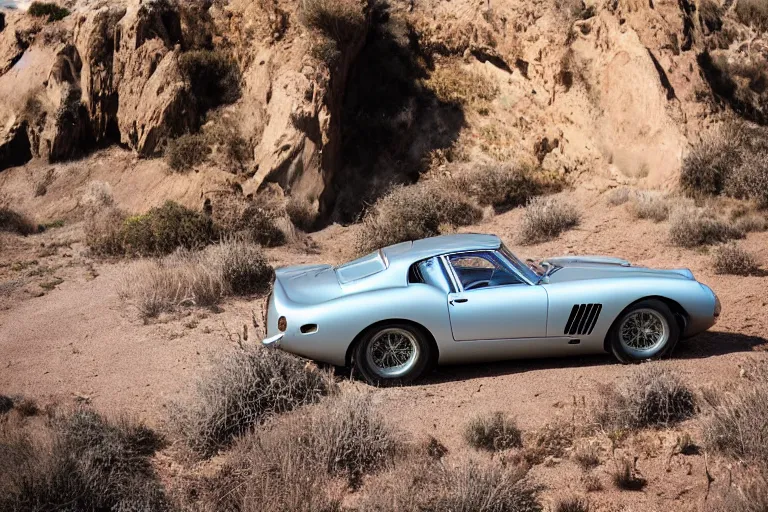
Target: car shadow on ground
column 702, row 346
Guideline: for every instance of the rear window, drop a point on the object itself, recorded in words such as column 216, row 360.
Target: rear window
column 360, row 268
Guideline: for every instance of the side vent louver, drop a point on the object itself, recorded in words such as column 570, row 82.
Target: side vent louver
column 582, row 319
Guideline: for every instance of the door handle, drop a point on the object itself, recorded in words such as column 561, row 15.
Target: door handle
column 458, row 301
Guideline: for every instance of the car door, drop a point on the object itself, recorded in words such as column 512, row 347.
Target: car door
column 493, row 302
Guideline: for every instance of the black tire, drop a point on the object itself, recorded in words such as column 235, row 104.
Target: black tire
column 363, row 354
column 651, row 308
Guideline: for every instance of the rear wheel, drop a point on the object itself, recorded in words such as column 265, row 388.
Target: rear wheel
column 392, row 354
column 646, row 330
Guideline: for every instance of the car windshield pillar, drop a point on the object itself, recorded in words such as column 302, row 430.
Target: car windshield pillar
column 527, row 272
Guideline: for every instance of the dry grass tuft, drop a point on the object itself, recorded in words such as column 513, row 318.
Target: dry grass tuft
column 79, row 461
column 693, row 227
column 650, row 396
column 738, row 425
column 545, row 218
column 572, row 504
column 493, row 432
column 414, row 212
column 591, row 482
column 259, row 223
column 587, row 455
column 552, row 440
column 649, row 205
column 753, row 12
column 625, row 476
column 732, row 259
column 750, row 495
column 618, row 196
column 343, row 21
column 14, row 222
column 454, row 84
column 187, row 278
column 469, row 485
column 246, row 388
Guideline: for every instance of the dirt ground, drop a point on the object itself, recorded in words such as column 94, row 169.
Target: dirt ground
column 66, row 336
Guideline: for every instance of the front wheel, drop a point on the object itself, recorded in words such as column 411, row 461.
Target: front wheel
column 392, row 354
column 646, row 330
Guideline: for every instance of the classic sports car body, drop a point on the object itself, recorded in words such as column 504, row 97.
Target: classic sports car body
column 461, row 298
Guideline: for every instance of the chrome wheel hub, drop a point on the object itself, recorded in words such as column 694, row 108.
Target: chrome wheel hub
column 644, row 332
column 392, row 352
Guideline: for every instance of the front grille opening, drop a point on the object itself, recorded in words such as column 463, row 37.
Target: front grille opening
column 582, row 319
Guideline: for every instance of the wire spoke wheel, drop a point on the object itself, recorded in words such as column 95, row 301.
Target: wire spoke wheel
column 644, row 332
column 392, row 352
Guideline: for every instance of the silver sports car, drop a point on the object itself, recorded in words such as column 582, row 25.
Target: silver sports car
column 397, row 312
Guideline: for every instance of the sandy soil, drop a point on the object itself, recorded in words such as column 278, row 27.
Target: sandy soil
column 77, row 342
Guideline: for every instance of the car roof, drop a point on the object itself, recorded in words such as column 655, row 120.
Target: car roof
column 435, row 246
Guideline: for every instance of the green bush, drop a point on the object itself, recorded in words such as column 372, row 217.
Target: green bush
column 47, row 10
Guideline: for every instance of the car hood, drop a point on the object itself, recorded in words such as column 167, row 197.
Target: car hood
column 575, row 268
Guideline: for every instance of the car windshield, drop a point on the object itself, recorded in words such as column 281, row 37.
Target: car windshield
column 530, row 273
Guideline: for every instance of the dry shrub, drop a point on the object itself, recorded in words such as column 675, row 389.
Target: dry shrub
column 414, row 212
column 753, row 12
column 343, row 21
column 213, row 75
column 738, row 425
column 245, row 218
column 502, row 186
column 552, row 440
column 545, row 218
column 187, row 151
column 493, row 432
column 104, row 231
column 749, row 495
column 15, row 222
column 587, row 455
column 693, row 227
column 732, row 259
column 301, row 212
column 187, row 278
column 292, row 465
column 81, row 461
column 750, row 179
column 226, row 142
column 625, row 475
column 453, row 84
column 591, row 482
column 650, row 396
column 97, row 195
column 48, row 10
column 469, row 485
column 618, row 196
column 243, row 390
column 649, row 205
column 571, row 504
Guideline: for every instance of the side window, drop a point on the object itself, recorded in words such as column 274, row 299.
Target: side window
column 430, row 272
column 481, row 270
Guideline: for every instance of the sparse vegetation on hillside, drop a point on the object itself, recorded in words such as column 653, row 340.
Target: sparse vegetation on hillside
column 243, row 390
column 545, row 218
column 453, row 84
column 625, row 476
column 651, row 396
column 187, row 278
column 414, row 212
column 732, row 259
column 258, row 222
column 693, row 227
column 618, row 196
column 81, row 462
column 159, row 231
column 493, row 432
column 15, row 222
column 49, row 10
column 301, row 213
